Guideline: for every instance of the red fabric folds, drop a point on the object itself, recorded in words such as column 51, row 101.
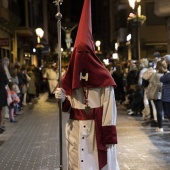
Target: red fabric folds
column 84, row 33
column 84, row 59
column 79, row 114
column 66, row 105
column 109, row 135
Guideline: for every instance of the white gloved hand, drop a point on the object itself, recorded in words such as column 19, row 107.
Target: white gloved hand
column 60, row 94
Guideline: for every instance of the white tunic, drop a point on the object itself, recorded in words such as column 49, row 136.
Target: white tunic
column 81, row 143
column 52, row 77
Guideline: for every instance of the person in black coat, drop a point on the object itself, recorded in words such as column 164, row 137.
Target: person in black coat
column 3, row 95
column 119, row 90
column 132, row 78
column 165, row 79
column 135, row 101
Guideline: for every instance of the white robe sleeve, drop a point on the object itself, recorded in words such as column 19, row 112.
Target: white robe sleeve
column 109, row 134
column 109, row 108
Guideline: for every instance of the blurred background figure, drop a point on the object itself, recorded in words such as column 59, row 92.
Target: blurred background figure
column 31, row 92
column 38, row 80
column 143, row 66
column 132, row 78
column 161, row 68
column 51, row 75
column 135, row 105
column 119, row 90
column 165, row 79
column 5, row 62
column 15, row 100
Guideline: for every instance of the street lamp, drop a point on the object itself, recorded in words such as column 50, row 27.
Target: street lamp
column 136, row 19
column 134, row 4
column 98, row 43
column 39, row 32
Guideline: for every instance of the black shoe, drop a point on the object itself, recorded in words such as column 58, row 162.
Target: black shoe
column 154, row 124
column 2, row 128
column 146, row 123
column 13, row 121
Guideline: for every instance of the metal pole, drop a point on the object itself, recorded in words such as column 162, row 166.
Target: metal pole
column 59, row 16
column 137, row 42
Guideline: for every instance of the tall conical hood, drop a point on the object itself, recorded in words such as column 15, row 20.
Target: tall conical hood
column 84, row 34
column 84, row 59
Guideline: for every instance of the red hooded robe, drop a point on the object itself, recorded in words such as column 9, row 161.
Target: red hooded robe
column 84, row 58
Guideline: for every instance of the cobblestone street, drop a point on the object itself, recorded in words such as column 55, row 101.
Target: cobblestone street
column 33, row 142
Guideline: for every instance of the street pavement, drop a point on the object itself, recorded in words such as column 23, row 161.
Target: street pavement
column 33, row 142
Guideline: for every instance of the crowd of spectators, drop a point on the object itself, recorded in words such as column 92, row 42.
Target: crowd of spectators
column 144, row 89
column 20, row 85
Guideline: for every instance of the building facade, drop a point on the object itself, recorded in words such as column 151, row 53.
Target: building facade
column 9, row 21
column 18, row 21
column 151, row 36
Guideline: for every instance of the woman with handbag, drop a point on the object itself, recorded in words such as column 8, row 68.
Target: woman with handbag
column 151, row 111
column 165, row 79
column 154, row 92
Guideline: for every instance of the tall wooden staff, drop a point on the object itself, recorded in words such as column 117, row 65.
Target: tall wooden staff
column 59, row 16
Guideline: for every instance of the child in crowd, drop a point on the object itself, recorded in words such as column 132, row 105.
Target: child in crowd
column 15, row 80
column 15, row 100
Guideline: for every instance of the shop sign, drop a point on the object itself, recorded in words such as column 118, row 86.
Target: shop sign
column 4, row 42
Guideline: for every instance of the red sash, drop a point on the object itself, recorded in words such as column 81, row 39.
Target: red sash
column 96, row 115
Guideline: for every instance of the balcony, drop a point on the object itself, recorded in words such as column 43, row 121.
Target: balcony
column 9, row 16
column 25, row 32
